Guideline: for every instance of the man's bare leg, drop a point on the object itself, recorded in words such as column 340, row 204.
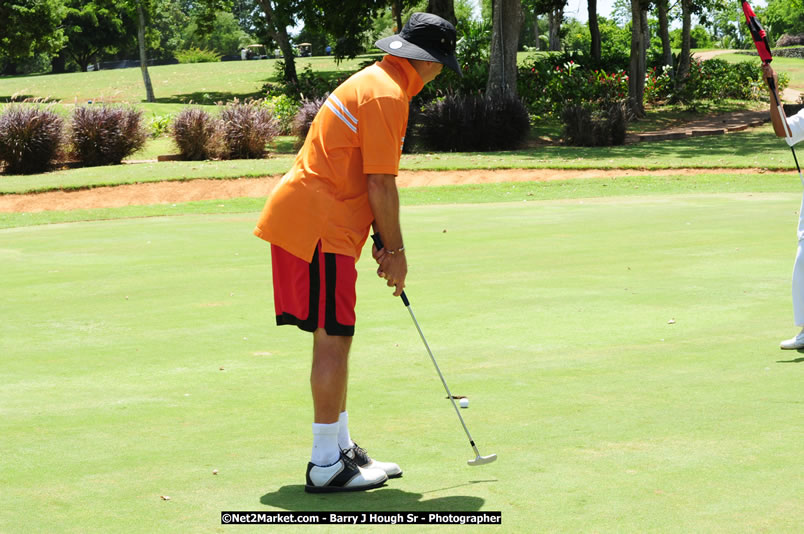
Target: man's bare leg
column 329, row 375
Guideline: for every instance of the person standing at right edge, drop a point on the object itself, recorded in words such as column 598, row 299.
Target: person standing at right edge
column 796, row 126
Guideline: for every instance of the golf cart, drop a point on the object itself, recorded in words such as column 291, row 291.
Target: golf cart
column 256, row 51
column 305, row 49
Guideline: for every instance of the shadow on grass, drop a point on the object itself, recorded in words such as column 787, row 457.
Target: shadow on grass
column 207, row 98
column 294, row 498
column 14, row 98
column 797, row 360
column 747, row 147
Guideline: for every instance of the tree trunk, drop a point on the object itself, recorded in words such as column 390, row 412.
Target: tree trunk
column 594, row 30
column 683, row 70
column 10, row 68
column 554, row 17
column 396, row 10
column 506, row 22
column 146, row 78
column 635, row 89
column 58, row 65
column 664, row 32
column 279, row 33
column 643, row 20
column 536, row 34
column 444, row 9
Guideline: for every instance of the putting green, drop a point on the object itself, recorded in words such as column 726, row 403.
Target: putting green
column 621, row 358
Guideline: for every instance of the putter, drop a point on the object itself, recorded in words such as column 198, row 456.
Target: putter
column 478, row 459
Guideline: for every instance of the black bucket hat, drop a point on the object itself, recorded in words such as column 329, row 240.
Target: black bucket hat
column 426, row 37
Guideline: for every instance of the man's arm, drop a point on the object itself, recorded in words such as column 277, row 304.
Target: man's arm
column 384, row 200
column 776, row 118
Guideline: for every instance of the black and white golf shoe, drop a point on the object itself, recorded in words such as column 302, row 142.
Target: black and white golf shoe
column 343, row 475
column 361, row 458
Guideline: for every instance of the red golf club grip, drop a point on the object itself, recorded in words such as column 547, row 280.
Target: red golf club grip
column 378, row 243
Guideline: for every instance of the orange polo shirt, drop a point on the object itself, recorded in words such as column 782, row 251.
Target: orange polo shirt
column 358, row 131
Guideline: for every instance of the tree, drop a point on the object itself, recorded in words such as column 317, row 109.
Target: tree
column 92, row 28
column 444, row 9
column 29, row 28
column 278, row 16
column 662, row 8
column 683, row 71
column 226, row 37
column 146, row 77
column 688, row 8
column 165, row 32
column 636, row 71
column 506, row 22
column 555, row 15
column 784, row 16
column 594, row 31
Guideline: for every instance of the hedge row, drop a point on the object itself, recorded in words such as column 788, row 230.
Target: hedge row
column 33, row 139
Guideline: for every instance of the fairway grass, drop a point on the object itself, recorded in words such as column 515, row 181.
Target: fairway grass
column 621, row 357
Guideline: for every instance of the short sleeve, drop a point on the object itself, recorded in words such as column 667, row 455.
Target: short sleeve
column 381, row 128
column 796, row 123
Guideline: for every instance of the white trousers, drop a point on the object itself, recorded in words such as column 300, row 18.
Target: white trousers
column 798, row 272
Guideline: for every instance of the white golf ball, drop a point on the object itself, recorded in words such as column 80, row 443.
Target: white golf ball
column 464, row 403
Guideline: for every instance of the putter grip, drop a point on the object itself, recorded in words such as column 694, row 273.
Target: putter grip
column 378, row 243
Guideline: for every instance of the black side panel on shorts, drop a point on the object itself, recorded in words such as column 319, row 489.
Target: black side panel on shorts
column 331, row 324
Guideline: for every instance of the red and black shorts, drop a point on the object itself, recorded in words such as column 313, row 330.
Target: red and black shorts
column 316, row 294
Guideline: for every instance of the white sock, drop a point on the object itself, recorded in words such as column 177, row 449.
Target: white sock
column 344, row 439
column 325, row 444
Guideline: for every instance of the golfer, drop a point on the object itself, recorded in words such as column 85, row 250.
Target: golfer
column 318, row 218
column 796, row 125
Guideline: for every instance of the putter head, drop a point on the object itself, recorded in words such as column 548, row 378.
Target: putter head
column 480, row 460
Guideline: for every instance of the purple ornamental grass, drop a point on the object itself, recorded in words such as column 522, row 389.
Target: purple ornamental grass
column 30, row 139
column 246, row 128
column 105, row 135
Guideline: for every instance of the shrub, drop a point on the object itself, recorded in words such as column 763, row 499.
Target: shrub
column 549, row 85
column 586, row 125
column 104, row 135
column 473, row 123
column 196, row 134
column 159, row 125
column 30, row 139
column 718, row 79
column 284, row 110
column 197, row 55
column 246, row 129
column 658, row 84
column 305, row 115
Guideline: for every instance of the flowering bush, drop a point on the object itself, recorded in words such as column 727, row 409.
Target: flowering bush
column 658, row 85
column 548, row 87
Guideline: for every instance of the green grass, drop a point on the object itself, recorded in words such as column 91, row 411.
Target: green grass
column 174, row 85
column 750, row 149
column 794, row 67
column 140, row 355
